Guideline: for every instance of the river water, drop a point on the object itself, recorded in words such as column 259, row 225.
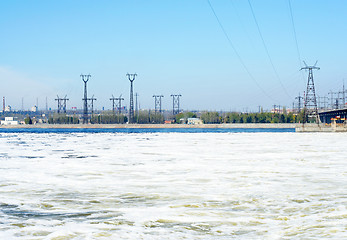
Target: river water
column 173, row 185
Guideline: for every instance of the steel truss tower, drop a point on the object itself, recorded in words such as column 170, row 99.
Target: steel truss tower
column 119, row 105
column 113, row 99
column 85, row 79
column 61, row 104
column 175, row 103
column 299, row 102
column 157, row 103
column 310, row 107
column 131, row 78
column 92, row 99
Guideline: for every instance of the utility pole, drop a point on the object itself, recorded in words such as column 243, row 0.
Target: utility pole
column 310, row 109
column 46, row 105
column 85, row 79
column 131, row 78
column 61, row 104
column 22, row 104
column 119, row 106
column 299, row 102
column 274, row 108
column 176, row 103
column 157, row 103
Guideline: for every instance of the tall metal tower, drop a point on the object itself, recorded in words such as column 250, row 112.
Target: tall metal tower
column 175, row 103
column 131, row 78
column 113, row 99
column 92, row 99
column 46, row 105
column 119, row 105
column 85, row 79
column 310, row 108
column 299, row 102
column 157, row 103
column 61, row 104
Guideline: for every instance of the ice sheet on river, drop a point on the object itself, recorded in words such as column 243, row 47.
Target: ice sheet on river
column 173, row 186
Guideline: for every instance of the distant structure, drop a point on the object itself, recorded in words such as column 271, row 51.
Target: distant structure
column 113, row 99
column 85, row 79
column 119, row 105
column 299, row 98
column 34, row 108
column 9, row 121
column 157, row 103
column 61, row 104
column 176, row 103
column 3, row 104
column 8, row 108
column 136, row 105
column 131, row 78
column 92, row 99
column 310, row 107
column 47, row 105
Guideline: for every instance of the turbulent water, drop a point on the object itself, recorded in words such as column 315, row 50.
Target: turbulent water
column 173, row 186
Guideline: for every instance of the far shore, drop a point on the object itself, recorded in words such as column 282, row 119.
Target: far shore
column 225, row 125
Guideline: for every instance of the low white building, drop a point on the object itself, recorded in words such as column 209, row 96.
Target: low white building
column 9, row 121
column 194, row 121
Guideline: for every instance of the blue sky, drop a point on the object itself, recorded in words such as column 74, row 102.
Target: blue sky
column 174, row 46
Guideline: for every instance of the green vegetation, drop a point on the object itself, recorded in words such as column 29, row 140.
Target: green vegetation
column 63, row 119
column 259, row 118
column 211, row 117
column 28, row 120
column 144, row 117
column 185, row 116
column 109, row 119
column 234, row 117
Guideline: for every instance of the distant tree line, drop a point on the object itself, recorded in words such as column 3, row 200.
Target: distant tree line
column 147, row 116
column 63, row 119
column 108, row 119
column 264, row 117
column 151, row 117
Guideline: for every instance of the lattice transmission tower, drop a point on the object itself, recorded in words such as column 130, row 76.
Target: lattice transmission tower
column 61, row 104
column 175, row 103
column 131, row 78
column 85, row 79
column 157, row 103
column 310, row 104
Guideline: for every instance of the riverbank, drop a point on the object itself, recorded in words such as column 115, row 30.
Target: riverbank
column 233, row 125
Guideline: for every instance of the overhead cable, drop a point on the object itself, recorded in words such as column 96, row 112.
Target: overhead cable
column 236, row 52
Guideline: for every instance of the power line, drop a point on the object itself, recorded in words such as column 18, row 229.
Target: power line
column 296, row 39
column 266, row 49
column 236, row 52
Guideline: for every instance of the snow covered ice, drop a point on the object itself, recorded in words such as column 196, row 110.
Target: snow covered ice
column 173, row 186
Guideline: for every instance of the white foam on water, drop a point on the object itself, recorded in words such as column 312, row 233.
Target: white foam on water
column 173, row 186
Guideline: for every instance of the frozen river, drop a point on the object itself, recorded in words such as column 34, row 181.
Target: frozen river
column 173, row 185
